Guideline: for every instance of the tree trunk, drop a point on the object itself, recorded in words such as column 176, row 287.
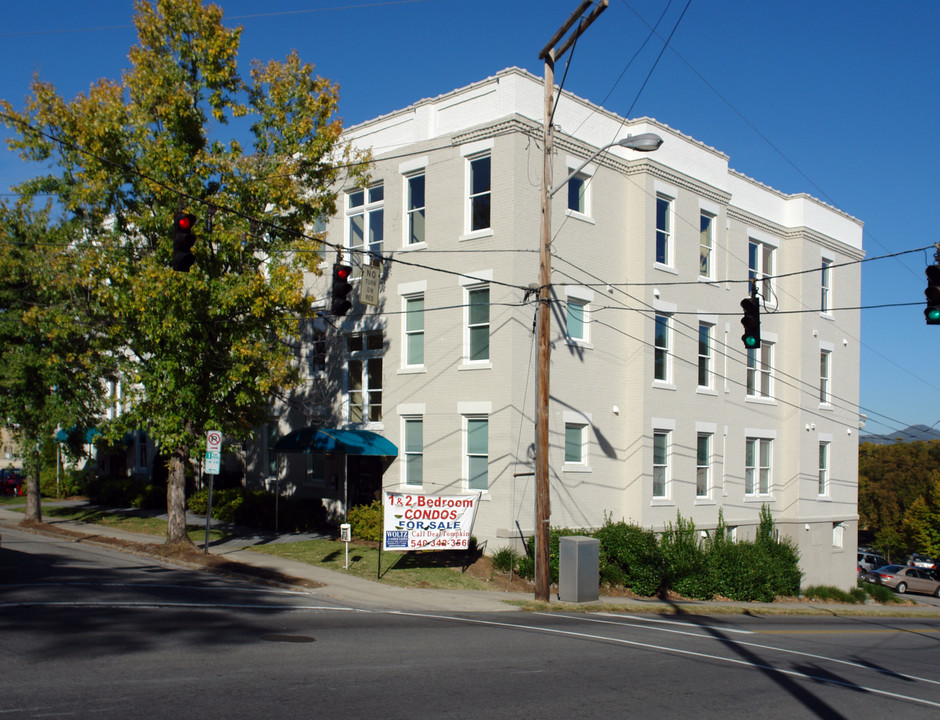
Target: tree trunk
column 176, row 500
column 33, row 506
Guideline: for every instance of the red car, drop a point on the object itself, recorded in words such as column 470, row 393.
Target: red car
column 11, row 482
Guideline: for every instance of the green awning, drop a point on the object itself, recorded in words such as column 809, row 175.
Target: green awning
column 87, row 436
column 349, row 442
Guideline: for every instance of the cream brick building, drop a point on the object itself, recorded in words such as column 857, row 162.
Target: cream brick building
column 656, row 408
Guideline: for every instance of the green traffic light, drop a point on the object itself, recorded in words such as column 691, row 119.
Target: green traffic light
column 750, row 341
column 933, row 315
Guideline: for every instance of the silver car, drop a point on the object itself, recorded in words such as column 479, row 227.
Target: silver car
column 904, row 578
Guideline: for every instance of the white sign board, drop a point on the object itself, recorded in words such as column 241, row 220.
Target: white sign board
column 427, row 522
column 369, row 284
column 213, row 463
column 213, row 441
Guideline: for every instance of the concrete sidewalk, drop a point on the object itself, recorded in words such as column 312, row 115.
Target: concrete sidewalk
column 340, row 588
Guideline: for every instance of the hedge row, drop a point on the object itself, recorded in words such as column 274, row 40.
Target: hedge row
column 682, row 561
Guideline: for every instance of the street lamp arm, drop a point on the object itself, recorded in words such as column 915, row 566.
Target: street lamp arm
column 647, row 142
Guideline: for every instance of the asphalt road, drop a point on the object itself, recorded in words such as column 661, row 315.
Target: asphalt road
column 90, row 633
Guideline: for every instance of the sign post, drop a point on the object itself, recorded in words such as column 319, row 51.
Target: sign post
column 212, row 466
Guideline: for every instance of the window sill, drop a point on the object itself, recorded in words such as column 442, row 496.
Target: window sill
column 665, row 268
column 573, row 342
column 704, row 501
column 663, row 385
column 760, row 400
column 706, row 391
column 487, row 365
column 823, row 498
column 414, row 246
column 758, row 498
column 576, row 468
column 412, row 370
column 708, row 281
column 662, row 502
column 575, row 215
column 827, row 316
column 476, row 234
column 826, row 406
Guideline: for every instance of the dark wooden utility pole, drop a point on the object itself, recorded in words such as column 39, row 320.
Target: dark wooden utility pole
column 550, row 53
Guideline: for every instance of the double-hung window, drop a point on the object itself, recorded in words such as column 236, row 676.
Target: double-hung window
column 706, row 246
column 413, row 436
column 575, row 434
column 662, row 357
column 825, row 368
column 760, row 370
column 478, row 324
column 705, row 355
column 703, row 465
column 664, row 222
column 825, row 287
column 661, row 463
column 414, row 330
column 364, row 370
column 476, row 443
column 415, row 208
column 365, row 216
column 480, row 190
column 758, row 466
column 823, row 487
column 760, row 266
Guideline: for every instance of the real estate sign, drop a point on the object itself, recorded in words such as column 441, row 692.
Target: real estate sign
column 427, row 522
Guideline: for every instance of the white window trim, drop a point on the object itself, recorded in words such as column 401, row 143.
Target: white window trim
column 408, row 170
column 583, row 421
column 764, row 239
column 712, row 387
column 826, row 257
column 710, row 209
column 470, row 152
column 668, row 426
column 406, row 291
column 670, row 264
column 404, row 418
column 767, row 339
column 825, row 402
column 583, row 297
column 475, row 281
column 587, row 172
column 668, row 309
column 760, row 434
column 465, row 417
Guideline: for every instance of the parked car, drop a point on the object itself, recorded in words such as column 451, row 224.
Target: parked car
column 904, row 578
column 11, row 482
column 922, row 561
column 868, row 561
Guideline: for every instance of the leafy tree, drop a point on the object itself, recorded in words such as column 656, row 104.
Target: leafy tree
column 51, row 362
column 922, row 521
column 204, row 349
column 891, row 479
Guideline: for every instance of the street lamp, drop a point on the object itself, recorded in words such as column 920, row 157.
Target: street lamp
column 646, row 142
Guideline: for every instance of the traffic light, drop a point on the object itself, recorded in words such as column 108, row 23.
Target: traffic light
column 340, row 303
column 183, row 241
column 932, row 293
column 751, row 322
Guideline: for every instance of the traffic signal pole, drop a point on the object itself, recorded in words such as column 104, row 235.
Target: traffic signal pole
column 550, row 53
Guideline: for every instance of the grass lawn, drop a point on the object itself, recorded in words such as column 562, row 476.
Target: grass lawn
column 422, row 569
column 136, row 522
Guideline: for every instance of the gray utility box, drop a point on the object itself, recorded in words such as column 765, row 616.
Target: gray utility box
column 578, row 569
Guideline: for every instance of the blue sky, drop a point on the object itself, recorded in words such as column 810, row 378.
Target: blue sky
column 838, row 99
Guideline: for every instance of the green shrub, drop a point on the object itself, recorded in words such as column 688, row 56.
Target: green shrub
column 260, row 509
column 126, row 492
column 366, row 521
column 505, row 559
column 829, row 593
column 879, row 593
column 685, row 560
column 630, row 557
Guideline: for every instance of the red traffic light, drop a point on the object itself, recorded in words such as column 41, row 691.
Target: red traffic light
column 185, row 222
column 342, row 272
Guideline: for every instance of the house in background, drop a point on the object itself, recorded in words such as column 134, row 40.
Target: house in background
column 656, row 408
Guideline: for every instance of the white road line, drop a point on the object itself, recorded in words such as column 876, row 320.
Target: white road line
column 680, row 651
column 743, row 643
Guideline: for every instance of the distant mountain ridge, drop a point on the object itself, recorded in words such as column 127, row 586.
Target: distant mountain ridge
column 914, row 432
